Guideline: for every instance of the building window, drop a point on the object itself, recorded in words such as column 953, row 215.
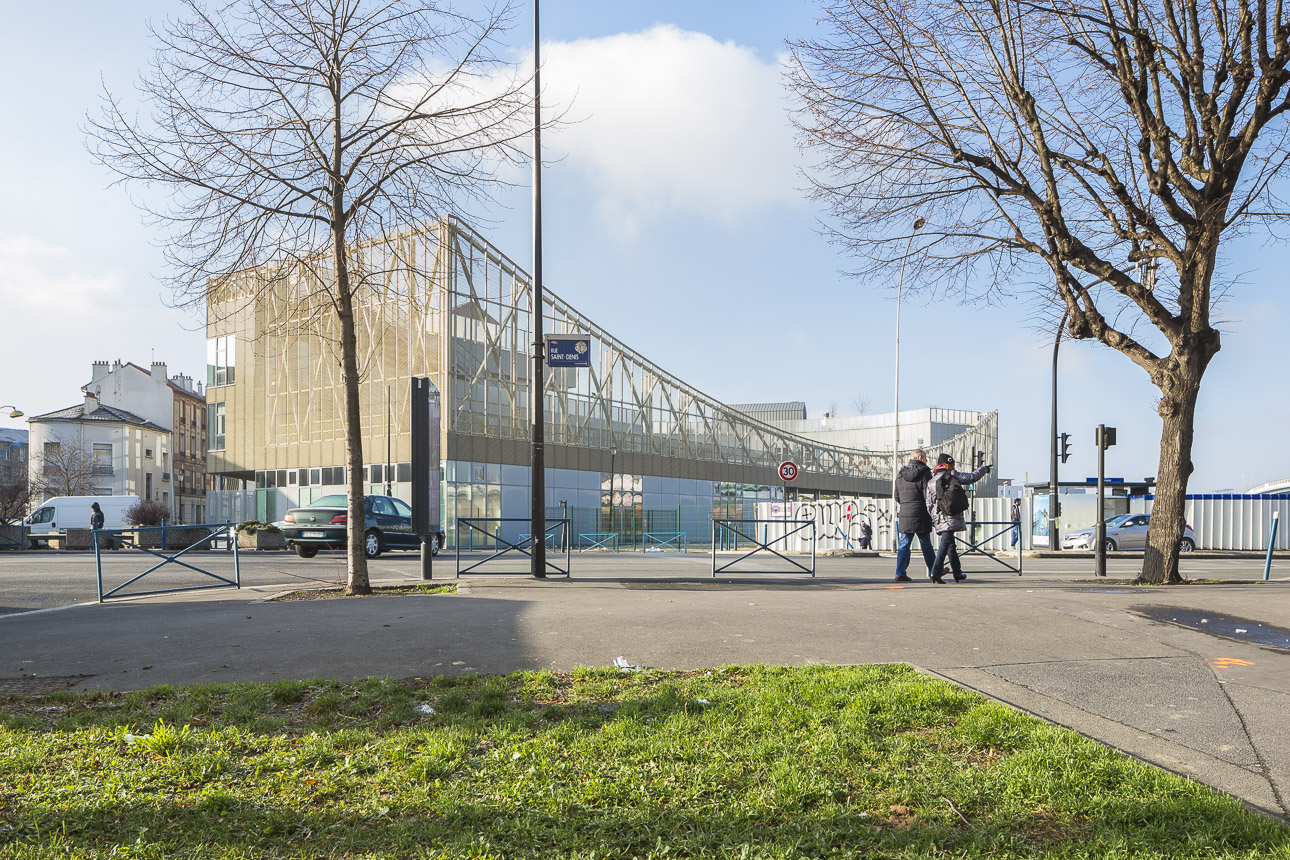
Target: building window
column 102, row 459
column 220, row 361
column 215, row 415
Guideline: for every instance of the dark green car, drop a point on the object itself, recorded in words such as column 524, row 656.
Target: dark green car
column 387, row 524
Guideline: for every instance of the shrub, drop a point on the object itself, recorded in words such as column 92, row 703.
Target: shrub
column 148, row 512
column 252, row 526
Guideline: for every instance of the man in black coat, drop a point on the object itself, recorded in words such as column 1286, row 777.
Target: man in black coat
column 913, row 518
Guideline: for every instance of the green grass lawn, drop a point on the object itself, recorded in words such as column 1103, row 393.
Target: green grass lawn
column 747, row 762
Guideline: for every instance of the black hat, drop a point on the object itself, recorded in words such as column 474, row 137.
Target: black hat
column 945, row 460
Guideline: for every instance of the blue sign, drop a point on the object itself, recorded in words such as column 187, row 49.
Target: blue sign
column 568, row 351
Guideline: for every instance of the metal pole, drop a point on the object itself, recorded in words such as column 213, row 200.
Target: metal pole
column 388, row 447
column 1272, row 541
column 536, row 385
column 1099, row 554
column 613, row 454
column 1054, row 542
column 895, row 400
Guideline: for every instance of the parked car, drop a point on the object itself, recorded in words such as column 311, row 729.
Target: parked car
column 387, row 522
column 1127, row 531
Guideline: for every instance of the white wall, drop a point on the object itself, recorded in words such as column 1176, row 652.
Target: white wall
column 837, row 523
column 1236, row 523
column 125, row 386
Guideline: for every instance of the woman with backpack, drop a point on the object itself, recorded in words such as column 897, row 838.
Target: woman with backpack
column 947, row 502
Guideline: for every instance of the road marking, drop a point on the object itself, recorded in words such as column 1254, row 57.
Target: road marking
column 1228, row 662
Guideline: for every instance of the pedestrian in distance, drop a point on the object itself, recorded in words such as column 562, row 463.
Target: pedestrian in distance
column 912, row 517
column 1016, row 521
column 96, row 517
column 947, row 501
column 866, row 534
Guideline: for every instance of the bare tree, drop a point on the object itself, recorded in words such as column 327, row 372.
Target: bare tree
column 860, row 404
column 62, row 468
column 288, row 133
column 1059, row 143
column 14, row 499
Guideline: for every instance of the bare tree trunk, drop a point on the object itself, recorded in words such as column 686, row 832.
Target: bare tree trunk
column 1178, row 413
column 355, row 528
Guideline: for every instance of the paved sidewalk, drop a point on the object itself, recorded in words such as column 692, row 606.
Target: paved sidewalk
column 1194, row 678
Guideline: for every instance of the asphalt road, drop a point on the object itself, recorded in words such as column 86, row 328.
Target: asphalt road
column 46, row 579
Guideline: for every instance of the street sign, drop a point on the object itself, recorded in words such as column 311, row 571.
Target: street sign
column 568, row 350
column 788, row 470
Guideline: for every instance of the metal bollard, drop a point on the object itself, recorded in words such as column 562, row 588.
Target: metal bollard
column 1272, row 541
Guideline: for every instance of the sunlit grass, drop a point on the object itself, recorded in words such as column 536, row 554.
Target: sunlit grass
column 738, row 762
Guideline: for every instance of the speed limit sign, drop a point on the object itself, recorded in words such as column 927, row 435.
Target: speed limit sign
column 788, row 470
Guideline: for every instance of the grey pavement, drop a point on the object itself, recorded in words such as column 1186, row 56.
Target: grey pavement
column 1194, row 678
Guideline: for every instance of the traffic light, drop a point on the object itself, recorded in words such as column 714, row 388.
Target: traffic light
column 1105, row 437
column 1066, row 446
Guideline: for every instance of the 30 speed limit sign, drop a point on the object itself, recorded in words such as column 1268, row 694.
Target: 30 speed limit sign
column 788, row 470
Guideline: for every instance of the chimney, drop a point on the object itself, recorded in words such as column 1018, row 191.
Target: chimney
column 98, row 371
column 159, row 372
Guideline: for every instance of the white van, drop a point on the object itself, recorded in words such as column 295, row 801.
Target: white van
column 73, row 512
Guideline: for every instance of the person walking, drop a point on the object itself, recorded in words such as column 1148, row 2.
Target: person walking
column 96, row 516
column 912, row 518
column 1016, row 521
column 946, row 503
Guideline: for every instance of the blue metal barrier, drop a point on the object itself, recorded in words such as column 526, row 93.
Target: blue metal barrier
column 977, row 546
column 598, row 540
column 559, row 526
column 663, row 541
column 129, row 539
column 7, row 541
column 721, row 527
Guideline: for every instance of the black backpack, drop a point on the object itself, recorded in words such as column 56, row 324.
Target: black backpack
column 951, row 498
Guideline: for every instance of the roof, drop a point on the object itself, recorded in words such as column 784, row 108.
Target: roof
column 104, row 414
column 13, row 436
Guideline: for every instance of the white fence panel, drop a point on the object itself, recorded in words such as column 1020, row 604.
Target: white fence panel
column 1232, row 522
column 838, row 523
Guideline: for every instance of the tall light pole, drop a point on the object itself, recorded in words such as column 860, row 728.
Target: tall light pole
column 536, row 383
column 900, row 289
column 1054, row 506
column 16, row 413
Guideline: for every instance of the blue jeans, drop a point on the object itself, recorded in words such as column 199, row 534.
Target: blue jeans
column 1016, row 534
column 903, row 541
column 947, row 551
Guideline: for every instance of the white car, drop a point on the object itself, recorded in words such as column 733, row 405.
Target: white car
column 1127, row 531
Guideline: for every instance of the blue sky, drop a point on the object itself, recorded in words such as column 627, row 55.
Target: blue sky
column 674, row 218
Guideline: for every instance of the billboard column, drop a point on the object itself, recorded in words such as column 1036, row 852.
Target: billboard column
column 427, row 468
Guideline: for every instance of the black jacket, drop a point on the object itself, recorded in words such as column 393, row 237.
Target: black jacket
column 911, row 484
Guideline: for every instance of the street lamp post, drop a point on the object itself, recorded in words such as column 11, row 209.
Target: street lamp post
column 15, row 413
column 1054, row 506
column 536, row 383
column 900, row 289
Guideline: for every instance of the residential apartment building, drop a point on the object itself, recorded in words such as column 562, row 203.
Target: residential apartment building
column 137, row 432
column 13, row 455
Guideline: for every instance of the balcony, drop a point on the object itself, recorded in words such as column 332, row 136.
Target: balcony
column 103, row 469
column 165, row 476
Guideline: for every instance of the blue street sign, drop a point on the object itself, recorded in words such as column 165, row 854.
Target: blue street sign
column 568, row 351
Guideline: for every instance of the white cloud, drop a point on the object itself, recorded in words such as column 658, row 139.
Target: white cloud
column 63, row 310
column 668, row 122
column 39, row 278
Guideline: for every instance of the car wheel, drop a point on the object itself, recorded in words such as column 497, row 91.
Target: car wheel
column 1110, row 545
column 306, row 551
column 372, row 544
column 435, row 542
column 1186, row 545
